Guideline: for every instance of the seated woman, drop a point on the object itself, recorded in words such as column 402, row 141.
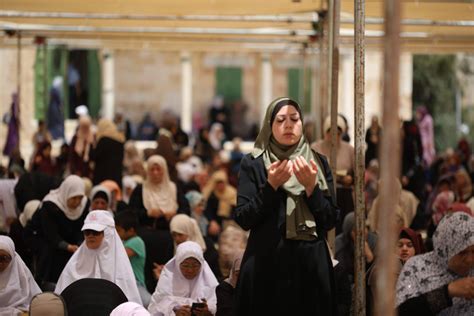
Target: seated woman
column 221, row 200
column 197, row 205
column 184, row 228
column 101, row 256
column 156, row 201
column 17, row 285
column 101, row 198
column 409, row 244
column 185, row 282
column 60, row 219
column 226, row 289
column 441, row 281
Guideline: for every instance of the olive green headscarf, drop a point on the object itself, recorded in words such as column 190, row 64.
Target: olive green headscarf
column 300, row 222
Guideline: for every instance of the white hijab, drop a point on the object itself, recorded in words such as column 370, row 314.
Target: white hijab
column 183, row 224
column 130, row 309
column 109, row 261
column 162, row 195
column 174, row 289
column 71, row 186
column 17, row 285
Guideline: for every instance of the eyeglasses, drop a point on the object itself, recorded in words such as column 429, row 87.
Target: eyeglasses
column 89, row 232
column 5, row 259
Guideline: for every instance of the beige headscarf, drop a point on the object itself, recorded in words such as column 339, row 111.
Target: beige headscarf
column 300, row 222
column 162, row 195
column 84, row 141
column 227, row 198
column 107, row 128
column 183, row 224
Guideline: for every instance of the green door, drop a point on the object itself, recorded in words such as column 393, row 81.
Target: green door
column 229, row 83
column 299, row 87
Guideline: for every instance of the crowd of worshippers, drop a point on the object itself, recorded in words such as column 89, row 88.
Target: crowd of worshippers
column 159, row 223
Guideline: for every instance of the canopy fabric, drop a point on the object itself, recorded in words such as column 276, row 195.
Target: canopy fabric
column 430, row 24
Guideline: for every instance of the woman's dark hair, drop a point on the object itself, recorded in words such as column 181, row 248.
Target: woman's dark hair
column 281, row 104
column 126, row 219
column 101, row 195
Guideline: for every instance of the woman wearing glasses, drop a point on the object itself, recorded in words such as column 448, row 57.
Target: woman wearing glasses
column 17, row 285
column 101, row 256
column 186, row 286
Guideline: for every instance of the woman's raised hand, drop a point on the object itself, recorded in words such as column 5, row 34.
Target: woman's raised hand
column 279, row 172
column 305, row 173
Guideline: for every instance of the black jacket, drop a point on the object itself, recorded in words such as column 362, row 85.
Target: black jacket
column 108, row 157
column 261, row 209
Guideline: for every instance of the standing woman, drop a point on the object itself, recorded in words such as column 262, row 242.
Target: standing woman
column 108, row 154
column 156, row 200
column 82, row 145
column 285, row 198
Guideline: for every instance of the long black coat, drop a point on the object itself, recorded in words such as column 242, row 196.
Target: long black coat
column 262, row 210
column 108, row 157
column 51, row 231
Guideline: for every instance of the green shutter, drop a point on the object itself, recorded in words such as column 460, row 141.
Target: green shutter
column 299, row 87
column 41, row 86
column 94, row 82
column 56, row 65
column 229, row 83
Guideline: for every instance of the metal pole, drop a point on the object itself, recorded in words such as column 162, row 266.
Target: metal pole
column 359, row 107
column 18, row 63
column 157, row 30
column 323, row 74
column 45, row 80
column 390, row 163
column 297, row 18
column 332, row 105
column 216, row 18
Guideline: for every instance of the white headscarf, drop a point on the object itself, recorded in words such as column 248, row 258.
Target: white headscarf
column 128, row 182
column 28, row 211
column 17, row 285
column 174, row 289
column 183, row 224
column 424, row 273
column 70, row 187
column 162, row 195
column 109, row 261
column 129, row 309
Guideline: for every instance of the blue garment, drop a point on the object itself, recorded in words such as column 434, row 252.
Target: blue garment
column 55, row 114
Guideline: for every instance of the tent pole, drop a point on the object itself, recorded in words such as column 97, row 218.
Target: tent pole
column 359, row 115
column 389, row 164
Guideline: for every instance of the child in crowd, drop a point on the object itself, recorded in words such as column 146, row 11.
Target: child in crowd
column 126, row 224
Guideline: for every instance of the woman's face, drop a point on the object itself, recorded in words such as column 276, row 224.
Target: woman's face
column 220, row 186
column 47, row 151
column 199, row 208
column 405, row 249
column 93, row 238
column 190, row 268
column 463, row 262
column 99, row 204
column 74, row 201
column 155, row 173
column 5, row 260
column 179, row 238
column 287, row 127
